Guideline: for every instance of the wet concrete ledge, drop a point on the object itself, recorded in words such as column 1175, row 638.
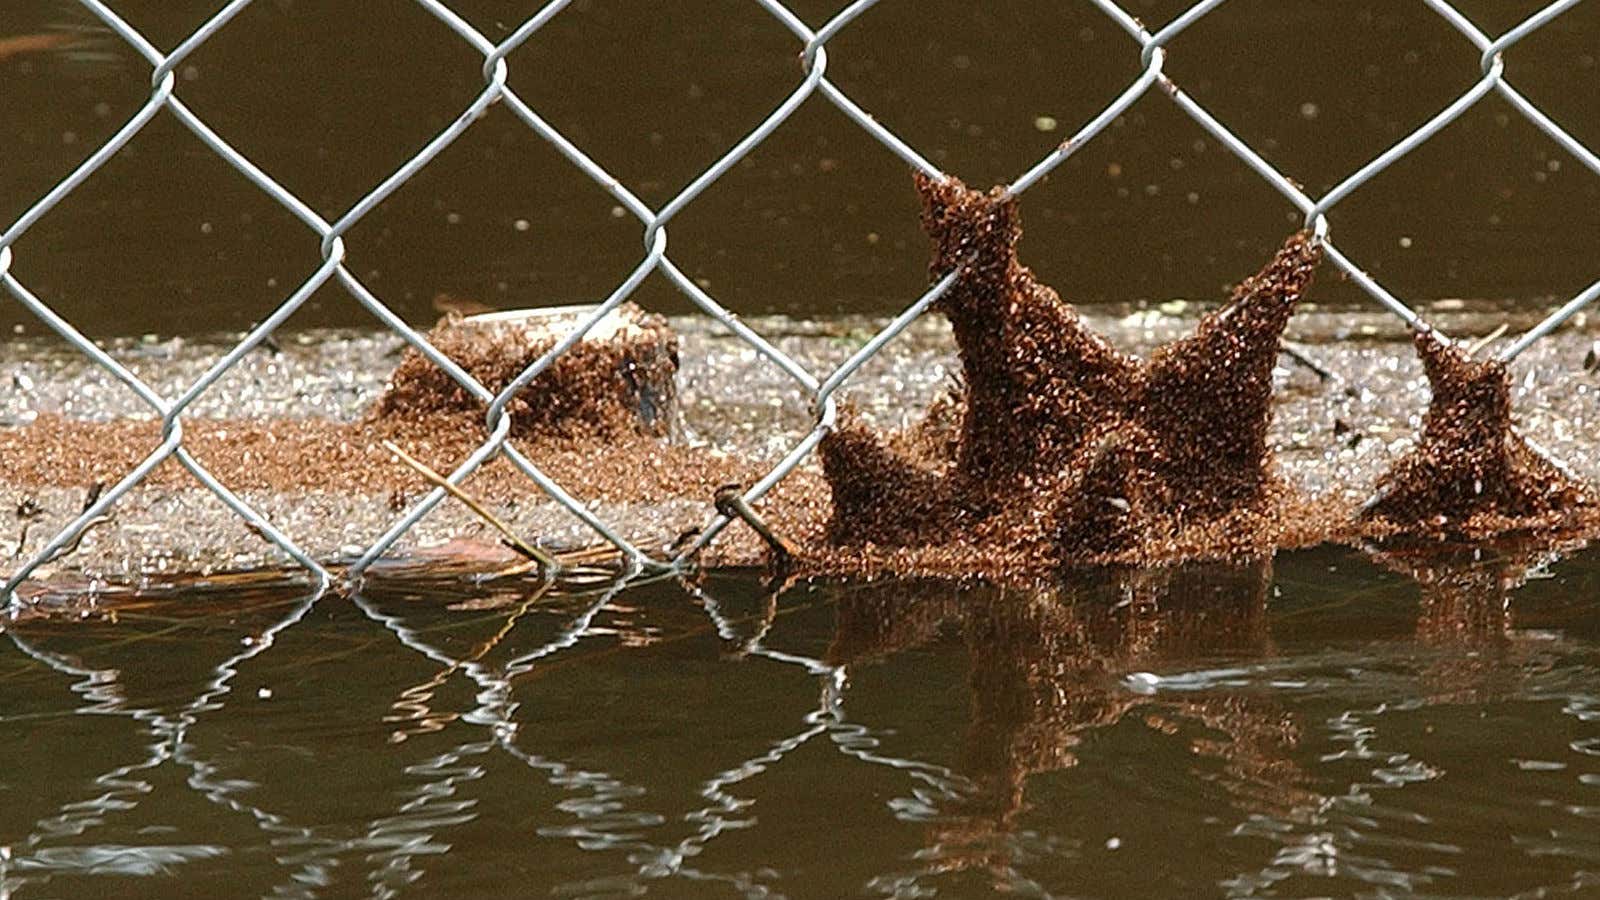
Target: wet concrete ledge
column 1332, row 436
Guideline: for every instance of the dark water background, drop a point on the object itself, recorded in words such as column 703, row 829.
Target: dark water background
column 1328, row 726
column 330, row 98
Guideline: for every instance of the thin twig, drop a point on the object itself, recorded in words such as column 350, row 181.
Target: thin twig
column 521, row 568
column 91, row 497
column 1322, row 372
column 569, row 560
column 545, row 560
column 1488, row 339
column 78, row 538
column 593, row 554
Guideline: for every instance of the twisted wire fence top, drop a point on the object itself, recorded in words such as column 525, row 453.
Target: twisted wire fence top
column 1149, row 44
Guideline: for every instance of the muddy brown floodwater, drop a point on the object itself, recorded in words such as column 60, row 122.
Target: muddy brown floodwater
column 1329, row 723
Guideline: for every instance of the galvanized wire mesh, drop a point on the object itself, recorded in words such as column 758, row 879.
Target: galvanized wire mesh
column 1151, row 46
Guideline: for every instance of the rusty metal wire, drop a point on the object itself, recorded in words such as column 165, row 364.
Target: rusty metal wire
column 1152, row 47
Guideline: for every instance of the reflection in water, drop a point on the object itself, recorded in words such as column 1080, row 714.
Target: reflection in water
column 1217, row 723
column 1045, row 668
column 1467, row 589
column 1466, row 611
column 122, row 788
column 411, row 708
column 60, row 40
column 1473, row 658
column 395, row 842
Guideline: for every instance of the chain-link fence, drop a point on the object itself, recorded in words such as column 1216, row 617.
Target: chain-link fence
column 814, row 87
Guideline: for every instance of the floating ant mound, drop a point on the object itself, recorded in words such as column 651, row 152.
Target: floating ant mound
column 1471, row 475
column 617, row 381
column 1068, row 450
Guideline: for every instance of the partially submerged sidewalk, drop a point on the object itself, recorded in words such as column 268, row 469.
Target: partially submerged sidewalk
column 287, row 430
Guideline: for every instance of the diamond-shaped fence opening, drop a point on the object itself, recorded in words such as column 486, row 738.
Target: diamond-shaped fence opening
column 1147, row 43
column 1434, row 220
column 1316, row 108
column 951, row 77
column 484, row 221
column 291, row 101
column 674, row 97
column 1156, row 180
column 821, row 204
column 136, row 228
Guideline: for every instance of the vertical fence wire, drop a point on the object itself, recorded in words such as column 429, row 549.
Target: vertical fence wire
column 1152, row 48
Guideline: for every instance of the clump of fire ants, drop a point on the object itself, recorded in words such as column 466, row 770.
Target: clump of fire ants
column 1059, row 449
column 1056, row 450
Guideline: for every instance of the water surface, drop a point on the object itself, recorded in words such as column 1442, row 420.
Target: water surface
column 820, row 219
column 1327, row 726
